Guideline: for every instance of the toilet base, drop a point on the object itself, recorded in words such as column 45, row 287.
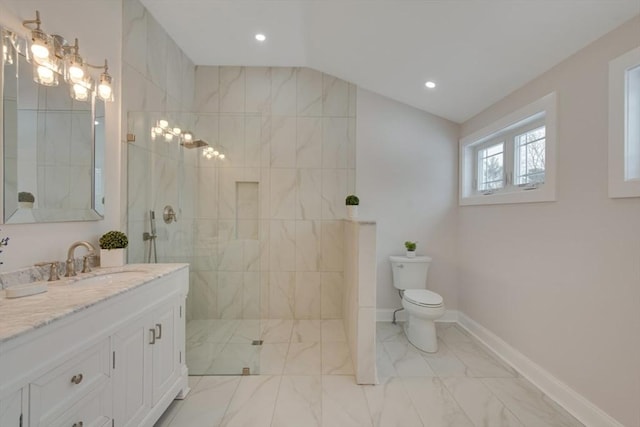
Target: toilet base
column 422, row 334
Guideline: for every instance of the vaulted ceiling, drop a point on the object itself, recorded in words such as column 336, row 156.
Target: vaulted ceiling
column 476, row 51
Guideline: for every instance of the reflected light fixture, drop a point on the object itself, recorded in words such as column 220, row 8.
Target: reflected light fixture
column 430, row 85
column 260, row 37
column 52, row 56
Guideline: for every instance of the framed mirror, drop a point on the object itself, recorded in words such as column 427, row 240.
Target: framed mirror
column 52, row 148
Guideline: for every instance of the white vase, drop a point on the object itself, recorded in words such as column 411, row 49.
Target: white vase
column 112, row 257
column 411, row 254
column 352, row 211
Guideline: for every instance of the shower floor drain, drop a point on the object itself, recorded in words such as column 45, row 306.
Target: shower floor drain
column 256, row 342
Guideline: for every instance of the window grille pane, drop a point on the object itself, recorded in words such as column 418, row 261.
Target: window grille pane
column 530, row 157
column 632, row 119
column 491, row 167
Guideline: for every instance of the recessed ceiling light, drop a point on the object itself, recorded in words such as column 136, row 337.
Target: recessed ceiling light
column 430, row 84
column 261, row 37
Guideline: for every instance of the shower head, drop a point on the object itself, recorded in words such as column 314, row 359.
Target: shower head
column 194, row 144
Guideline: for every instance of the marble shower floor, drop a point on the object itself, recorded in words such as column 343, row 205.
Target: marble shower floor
column 311, row 383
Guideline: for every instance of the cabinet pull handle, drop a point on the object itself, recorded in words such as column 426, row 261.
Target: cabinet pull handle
column 78, row 424
column 76, row 379
column 153, row 336
column 159, row 327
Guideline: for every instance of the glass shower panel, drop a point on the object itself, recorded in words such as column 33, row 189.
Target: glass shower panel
column 216, row 187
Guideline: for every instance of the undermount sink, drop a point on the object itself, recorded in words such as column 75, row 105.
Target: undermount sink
column 109, row 278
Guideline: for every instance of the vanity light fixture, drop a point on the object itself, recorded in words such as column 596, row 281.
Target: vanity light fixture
column 430, row 85
column 52, row 56
column 260, row 37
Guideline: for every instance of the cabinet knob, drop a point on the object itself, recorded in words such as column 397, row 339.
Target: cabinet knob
column 77, row 379
column 159, row 328
column 153, row 336
column 78, row 424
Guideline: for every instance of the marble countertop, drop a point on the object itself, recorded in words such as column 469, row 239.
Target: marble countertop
column 69, row 295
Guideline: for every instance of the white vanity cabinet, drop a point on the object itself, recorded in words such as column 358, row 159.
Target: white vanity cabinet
column 118, row 362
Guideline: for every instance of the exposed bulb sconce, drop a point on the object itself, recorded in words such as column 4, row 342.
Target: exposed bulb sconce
column 211, row 153
column 52, row 57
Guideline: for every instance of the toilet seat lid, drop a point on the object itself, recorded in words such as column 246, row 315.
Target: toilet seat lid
column 423, row 297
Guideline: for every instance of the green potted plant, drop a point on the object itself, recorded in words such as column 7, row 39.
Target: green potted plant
column 411, row 248
column 26, row 199
column 352, row 203
column 112, row 246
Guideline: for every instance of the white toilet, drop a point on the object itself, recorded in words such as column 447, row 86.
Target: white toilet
column 423, row 306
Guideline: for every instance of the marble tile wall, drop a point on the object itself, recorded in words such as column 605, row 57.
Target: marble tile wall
column 291, row 131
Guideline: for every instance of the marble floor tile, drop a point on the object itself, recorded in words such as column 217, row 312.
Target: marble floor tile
column 445, row 363
column 207, row 402
column 306, row 331
column 303, row 359
column 407, row 360
column 480, row 362
column 200, row 356
column 253, row 403
column 343, row 403
column 532, row 407
column 387, row 331
column 333, row 331
column 246, row 331
column 479, row 403
column 390, row 406
column 299, row 402
column 234, row 357
column 169, row 414
column 435, row 406
column 272, row 358
column 384, row 366
column 277, row 331
column 336, row 359
column 450, row 332
column 213, row 330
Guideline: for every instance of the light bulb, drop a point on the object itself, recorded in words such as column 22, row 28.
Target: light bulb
column 76, row 72
column 216, row 153
column 208, row 156
column 39, row 50
column 168, row 137
column 45, row 75
column 261, row 37
column 187, row 136
column 163, row 124
column 177, row 131
column 80, row 92
column 153, row 134
column 430, row 84
column 104, row 91
column 158, row 130
column 221, row 156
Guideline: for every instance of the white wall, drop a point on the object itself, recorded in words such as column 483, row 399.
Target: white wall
column 406, row 178
column 560, row 281
column 97, row 24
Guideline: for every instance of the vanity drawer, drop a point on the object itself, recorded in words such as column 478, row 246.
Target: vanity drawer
column 60, row 388
column 93, row 410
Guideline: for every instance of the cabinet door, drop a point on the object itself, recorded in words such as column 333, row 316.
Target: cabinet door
column 131, row 372
column 165, row 350
column 11, row 410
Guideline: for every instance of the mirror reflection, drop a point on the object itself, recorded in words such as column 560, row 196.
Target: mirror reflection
column 53, row 149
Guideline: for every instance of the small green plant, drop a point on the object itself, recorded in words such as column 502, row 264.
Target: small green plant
column 352, row 200
column 411, row 246
column 25, row 196
column 114, row 240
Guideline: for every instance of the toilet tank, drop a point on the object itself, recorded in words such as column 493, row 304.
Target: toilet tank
column 410, row 273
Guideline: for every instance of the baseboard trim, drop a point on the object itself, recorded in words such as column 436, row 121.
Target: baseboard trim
column 581, row 408
column 386, row 315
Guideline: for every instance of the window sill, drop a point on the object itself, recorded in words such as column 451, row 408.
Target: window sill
column 541, row 194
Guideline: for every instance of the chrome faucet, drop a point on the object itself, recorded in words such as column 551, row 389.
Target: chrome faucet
column 71, row 267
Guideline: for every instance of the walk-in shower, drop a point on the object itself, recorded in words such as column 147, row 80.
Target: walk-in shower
column 218, row 233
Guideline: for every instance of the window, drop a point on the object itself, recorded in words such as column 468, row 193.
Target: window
column 624, row 125
column 511, row 161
